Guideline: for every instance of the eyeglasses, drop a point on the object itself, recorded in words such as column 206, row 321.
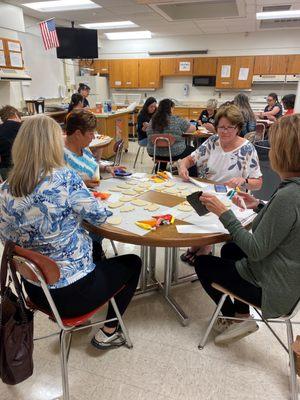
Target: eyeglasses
column 226, row 128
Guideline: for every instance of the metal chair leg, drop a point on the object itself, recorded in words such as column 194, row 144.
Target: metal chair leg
column 114, row 247
column 212, row 321
column 136, row 157
column 143, row 153
column 123, row 327
column 64, row 364
column 293, row 375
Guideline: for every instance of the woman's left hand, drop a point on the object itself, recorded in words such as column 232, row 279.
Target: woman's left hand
column 112, row 169
column 213, row 204
column 235, row 182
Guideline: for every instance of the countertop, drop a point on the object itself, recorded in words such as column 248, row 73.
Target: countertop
column 49, row 114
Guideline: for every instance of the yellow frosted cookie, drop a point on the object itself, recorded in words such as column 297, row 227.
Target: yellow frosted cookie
column 184, row 207
column 124, row 186
column 116, row 204
column 124, row 199
column 129, row 192
column 151, row 207
column 139, row 203
column 127, row 208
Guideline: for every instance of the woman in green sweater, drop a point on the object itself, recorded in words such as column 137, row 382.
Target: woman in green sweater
column 262, row 267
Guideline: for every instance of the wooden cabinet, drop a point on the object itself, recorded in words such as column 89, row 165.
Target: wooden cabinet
column 226, row 69
column 130, row 73
column 149, row 73
column 116, row 74
column 194, row 113
column 182, row 112
column 167, row 66
column 101, row 67
column 206, row 66
column 184, row 66
column 234, row 72
column 270, row 65
column 293, row 65
column 243, row 72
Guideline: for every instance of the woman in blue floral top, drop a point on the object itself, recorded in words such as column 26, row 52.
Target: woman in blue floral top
column 43, row 204
column 225, row 157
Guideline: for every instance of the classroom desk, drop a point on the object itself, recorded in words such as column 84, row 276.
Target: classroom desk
column 114, row 125
column 166, row 237
column 197, row 135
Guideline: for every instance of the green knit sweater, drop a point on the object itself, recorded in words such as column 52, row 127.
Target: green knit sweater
column 273, row 249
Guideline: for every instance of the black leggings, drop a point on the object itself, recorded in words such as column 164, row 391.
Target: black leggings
column 115, row 276
column 187, row 151
column 223, row 271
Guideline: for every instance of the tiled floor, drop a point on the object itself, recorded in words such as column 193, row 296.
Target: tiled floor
column 165, row 363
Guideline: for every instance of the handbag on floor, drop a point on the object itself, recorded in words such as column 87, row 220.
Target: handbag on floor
column 296, row 350
column 16, row 327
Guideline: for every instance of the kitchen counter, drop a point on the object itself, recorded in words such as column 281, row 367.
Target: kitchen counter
column 59, row 116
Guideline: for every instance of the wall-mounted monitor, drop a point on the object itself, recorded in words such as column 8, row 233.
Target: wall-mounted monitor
column 77, row 43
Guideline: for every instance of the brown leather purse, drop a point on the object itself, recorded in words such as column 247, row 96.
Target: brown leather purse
column 16, row 326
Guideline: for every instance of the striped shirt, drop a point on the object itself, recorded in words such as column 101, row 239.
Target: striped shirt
column 86, row 165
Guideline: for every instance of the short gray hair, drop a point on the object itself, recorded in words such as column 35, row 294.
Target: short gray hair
column 212, row 103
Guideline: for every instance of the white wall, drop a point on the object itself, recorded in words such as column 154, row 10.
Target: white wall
column 267, row 42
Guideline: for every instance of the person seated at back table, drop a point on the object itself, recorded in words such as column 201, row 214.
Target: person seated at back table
column 84, row 90
column 207, row 116
column 43, row 204
column 76, row 102
column 164, row 122
column 273, row 109
column 11, row 122
column 225, row 158
column 288, row 102
column 144, row 118
column 242, row 102
column 262, row 267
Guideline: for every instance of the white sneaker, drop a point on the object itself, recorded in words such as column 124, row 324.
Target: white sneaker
column 237, row 331
column 221, row 324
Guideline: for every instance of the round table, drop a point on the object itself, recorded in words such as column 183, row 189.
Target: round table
column 165, row 236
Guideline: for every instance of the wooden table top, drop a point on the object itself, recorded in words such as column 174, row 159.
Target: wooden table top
column 198, row 134
column 98, row 143
column 164, row 236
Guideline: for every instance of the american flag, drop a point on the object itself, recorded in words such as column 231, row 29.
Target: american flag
column 49, row 34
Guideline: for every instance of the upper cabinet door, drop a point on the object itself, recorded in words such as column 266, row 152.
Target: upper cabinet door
column 184, row 66
column 270, row 65
column 206, row 66
column 131, row 73
column 293, row 66
column 116, row 74
column 101, row 67
column 226, row 72
column 244, row 72
column 149, row 73
column 167, row 66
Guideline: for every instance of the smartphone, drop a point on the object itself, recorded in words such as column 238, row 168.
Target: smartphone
column 194, row 201
column 220, row 188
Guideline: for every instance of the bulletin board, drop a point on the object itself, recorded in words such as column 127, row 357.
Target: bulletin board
column 11, row 55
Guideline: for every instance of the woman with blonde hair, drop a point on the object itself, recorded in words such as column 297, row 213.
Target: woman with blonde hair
column 43, row 204
column 207, row 116
column 262, row 266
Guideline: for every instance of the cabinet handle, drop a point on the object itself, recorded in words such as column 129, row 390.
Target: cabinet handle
column 128, row 83
column 151, row 83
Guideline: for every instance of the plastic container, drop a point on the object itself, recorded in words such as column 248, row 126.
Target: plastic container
column 99, row 108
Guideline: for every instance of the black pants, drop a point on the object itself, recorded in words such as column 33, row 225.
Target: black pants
column 223, row 271
column 187, row 151
column 116, row 276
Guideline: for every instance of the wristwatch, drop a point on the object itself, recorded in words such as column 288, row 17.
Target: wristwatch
column 246, row 181
column 259, row 207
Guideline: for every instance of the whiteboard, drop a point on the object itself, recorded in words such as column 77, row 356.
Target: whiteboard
column 45, row 69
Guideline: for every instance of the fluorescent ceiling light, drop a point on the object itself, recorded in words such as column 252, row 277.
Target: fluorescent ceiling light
column 128, row 35
column 110, row 25
column 278, row 14
column 62, row 5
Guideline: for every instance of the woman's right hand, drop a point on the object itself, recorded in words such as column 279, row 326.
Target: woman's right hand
column 183, row 173
column 241, row 199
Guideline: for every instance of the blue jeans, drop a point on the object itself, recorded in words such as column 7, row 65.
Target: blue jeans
column 143, row 142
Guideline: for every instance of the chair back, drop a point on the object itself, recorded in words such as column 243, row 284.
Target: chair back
column 162, row 140
column 260, row 131
column 250, row 136
column 118, row 150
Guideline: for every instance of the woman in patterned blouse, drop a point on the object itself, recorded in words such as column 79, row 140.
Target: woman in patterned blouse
column 43, row 204
column 226, row 158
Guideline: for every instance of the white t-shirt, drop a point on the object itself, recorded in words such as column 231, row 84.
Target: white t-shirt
column 215, row 164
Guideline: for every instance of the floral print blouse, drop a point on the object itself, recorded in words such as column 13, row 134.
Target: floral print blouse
column 216, row 164
column 49, row 221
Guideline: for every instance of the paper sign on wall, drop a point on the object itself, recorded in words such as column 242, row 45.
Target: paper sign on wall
column 16, row 60
column 2, row 59
column 184, row 66
column 243, row 74
column 1, row 44
column 225, row 71
column 14, row 46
